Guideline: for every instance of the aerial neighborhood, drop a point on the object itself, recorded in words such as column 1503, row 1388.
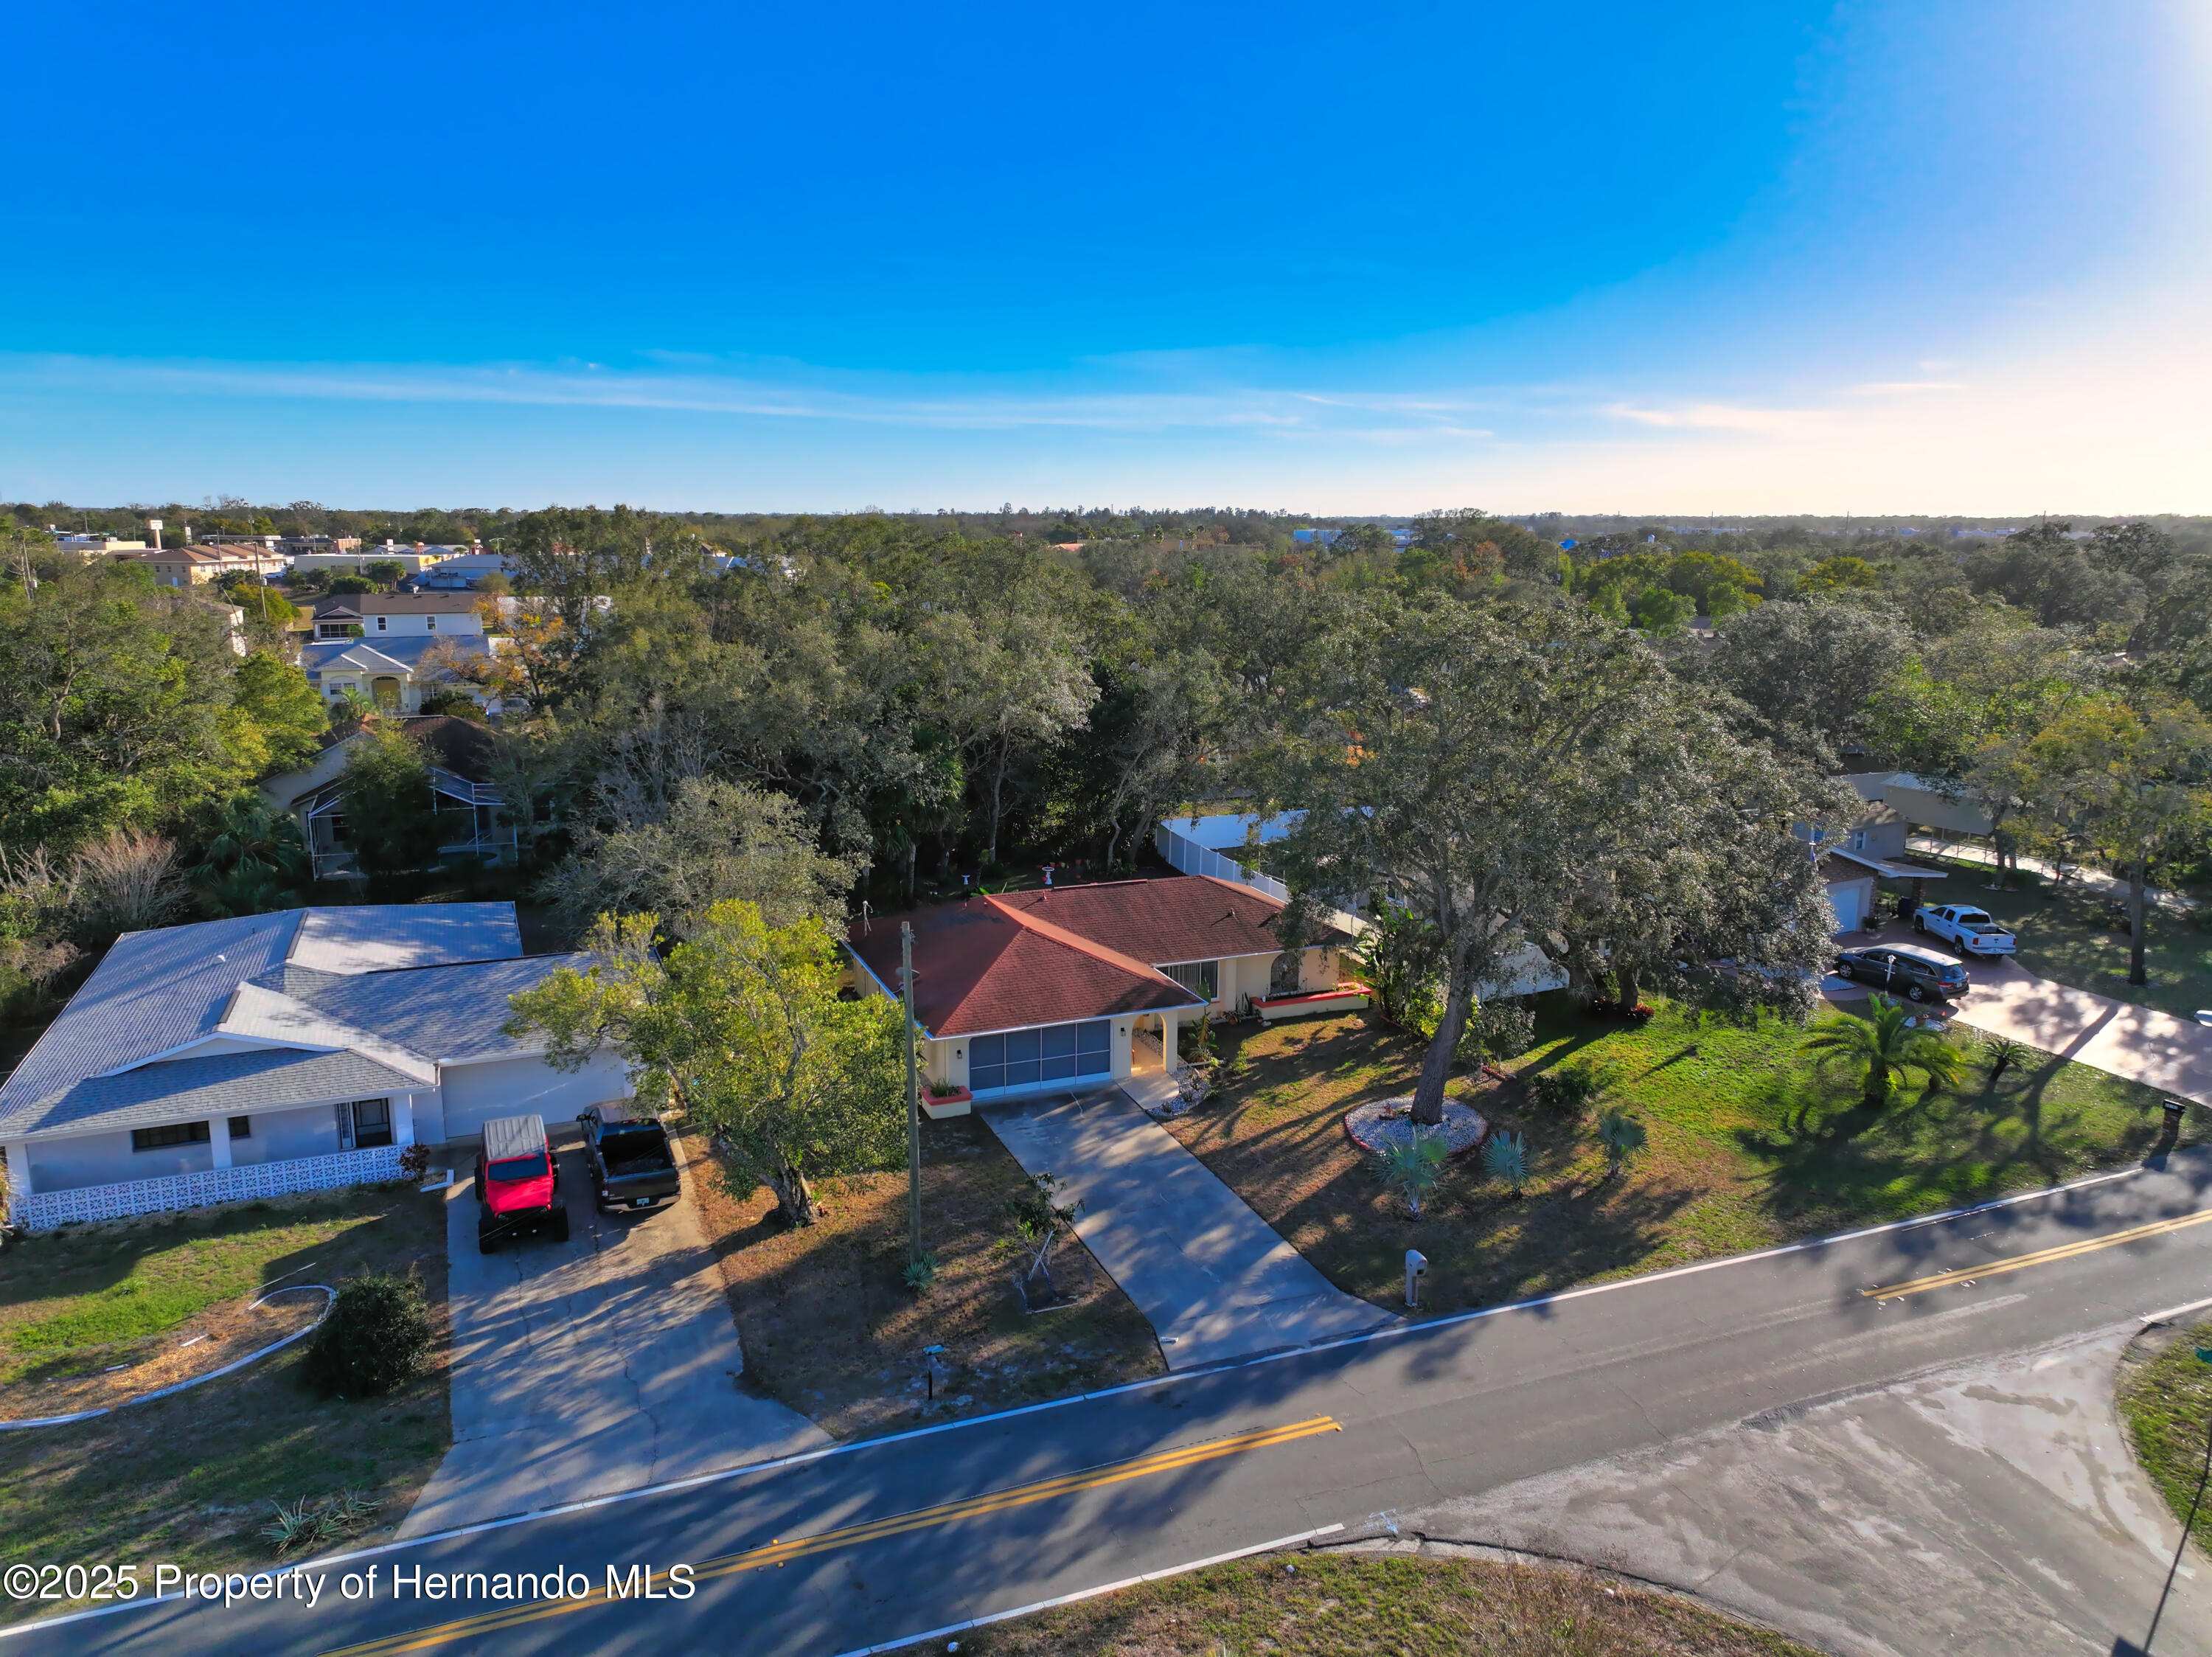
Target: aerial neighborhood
column 858, row 975
column 690, row 964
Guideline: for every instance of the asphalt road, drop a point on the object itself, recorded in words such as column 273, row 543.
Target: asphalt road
column 834, row 1552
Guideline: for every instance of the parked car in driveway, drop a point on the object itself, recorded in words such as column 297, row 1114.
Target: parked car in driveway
column 632, row 1166
column 518, row 1183
column 1968, row 927
column 1917, row 974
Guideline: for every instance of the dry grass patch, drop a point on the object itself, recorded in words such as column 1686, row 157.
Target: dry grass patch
column 1389, row 1605
column 830, row 1328
column 191, row 1478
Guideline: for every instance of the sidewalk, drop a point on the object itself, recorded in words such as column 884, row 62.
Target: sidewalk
column 2090, row 879
column 1212, row 1277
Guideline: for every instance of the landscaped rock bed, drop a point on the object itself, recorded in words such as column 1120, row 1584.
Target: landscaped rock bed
column 1381, row 1122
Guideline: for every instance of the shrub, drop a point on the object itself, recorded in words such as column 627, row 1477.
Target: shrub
column 307, row 1524
column 1506, row 1159
column 1565, row 1092
column 1506, row 1028
column 376, row 1337
column 1623, row 1136
column 1412, row 1167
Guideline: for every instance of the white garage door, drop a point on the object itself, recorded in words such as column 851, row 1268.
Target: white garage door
column 519, row 1087
column 1844, row 900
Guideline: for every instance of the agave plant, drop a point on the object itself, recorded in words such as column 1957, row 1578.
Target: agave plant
column 1411, row 1168
column 1506, row 1159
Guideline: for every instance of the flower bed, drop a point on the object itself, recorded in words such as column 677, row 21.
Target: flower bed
column 937, row 1106
column 1347, row 998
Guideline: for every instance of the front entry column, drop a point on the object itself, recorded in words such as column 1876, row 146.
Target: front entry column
column 19, row 1167
column 1168, row 1059
column 403, row 1119
column 219, row 1140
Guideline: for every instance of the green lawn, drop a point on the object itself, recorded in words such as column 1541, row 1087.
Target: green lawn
column 190, row 1478
column 2166, row 1403
column 1392, row 1606
column 2071, row 940
column 1752, row 1142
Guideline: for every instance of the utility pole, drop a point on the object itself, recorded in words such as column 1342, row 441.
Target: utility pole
column 912, row 1096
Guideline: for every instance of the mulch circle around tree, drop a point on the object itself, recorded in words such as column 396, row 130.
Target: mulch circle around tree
column 1381, row 1122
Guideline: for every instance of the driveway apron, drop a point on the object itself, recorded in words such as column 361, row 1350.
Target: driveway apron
column 1212, row 1277
column 601, row 1364
column 2155, row 1048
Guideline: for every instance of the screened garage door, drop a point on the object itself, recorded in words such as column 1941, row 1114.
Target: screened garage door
column 1058, row 1052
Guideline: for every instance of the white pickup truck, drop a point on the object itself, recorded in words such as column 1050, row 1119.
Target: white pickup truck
column 1965, row 927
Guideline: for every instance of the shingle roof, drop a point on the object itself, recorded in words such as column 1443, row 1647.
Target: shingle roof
column 387, row 652
column 1182, row 917
column 450, row 1014
column 224, row 1084
column 979, row 968
column 396, row 604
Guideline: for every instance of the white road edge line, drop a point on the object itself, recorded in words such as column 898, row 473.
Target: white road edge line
column 1081, row 1594
column 2175, row 1312
column 801, row 1458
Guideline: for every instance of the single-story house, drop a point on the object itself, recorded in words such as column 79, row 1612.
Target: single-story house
column 271, row 1053
column 472, row 814
column 1025, row 992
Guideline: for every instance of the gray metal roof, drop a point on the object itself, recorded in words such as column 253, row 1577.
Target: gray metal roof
column 158, row 994
column 450, row 1014
column 381, row 652
column 192, row 1090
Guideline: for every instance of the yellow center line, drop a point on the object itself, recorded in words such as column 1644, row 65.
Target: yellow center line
column 2041, row 1257
column 781, row 1552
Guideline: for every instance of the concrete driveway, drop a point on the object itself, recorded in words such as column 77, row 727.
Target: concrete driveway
column 2005, row 999
column 601, row 1364
column 1212, row 1275
column 1991, row 1509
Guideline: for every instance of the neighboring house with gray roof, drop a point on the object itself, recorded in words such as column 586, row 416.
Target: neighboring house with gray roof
column 279, row 1052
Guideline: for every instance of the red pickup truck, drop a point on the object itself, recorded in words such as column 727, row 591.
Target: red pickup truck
column 518, row 1183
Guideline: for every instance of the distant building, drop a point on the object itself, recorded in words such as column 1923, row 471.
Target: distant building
column 93, row 544
column 194, row 566
column 312, row 546
column 412, row 558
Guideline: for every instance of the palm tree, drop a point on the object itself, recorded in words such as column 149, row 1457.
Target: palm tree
column 1888, row 1045
column 1506, row 1159
column 1622, row 1136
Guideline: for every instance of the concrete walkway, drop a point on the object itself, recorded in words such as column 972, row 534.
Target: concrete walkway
column 1989, row 1510
column 602, row 1364
column 1212, row 1277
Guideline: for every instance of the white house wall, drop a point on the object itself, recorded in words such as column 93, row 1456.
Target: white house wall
column 101, row 1159
column 475, row 1093
column 281, row 1136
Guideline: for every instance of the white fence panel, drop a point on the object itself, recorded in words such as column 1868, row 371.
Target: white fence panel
column 43, row 1209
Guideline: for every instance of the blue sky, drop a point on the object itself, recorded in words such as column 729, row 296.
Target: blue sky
column 1873, row 257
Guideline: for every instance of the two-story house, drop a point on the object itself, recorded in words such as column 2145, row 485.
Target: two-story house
column 390, row 647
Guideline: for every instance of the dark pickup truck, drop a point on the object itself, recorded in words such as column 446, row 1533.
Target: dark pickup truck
column 632, row 1167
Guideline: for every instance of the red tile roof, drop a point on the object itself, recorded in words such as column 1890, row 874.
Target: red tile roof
column 1012, row 960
